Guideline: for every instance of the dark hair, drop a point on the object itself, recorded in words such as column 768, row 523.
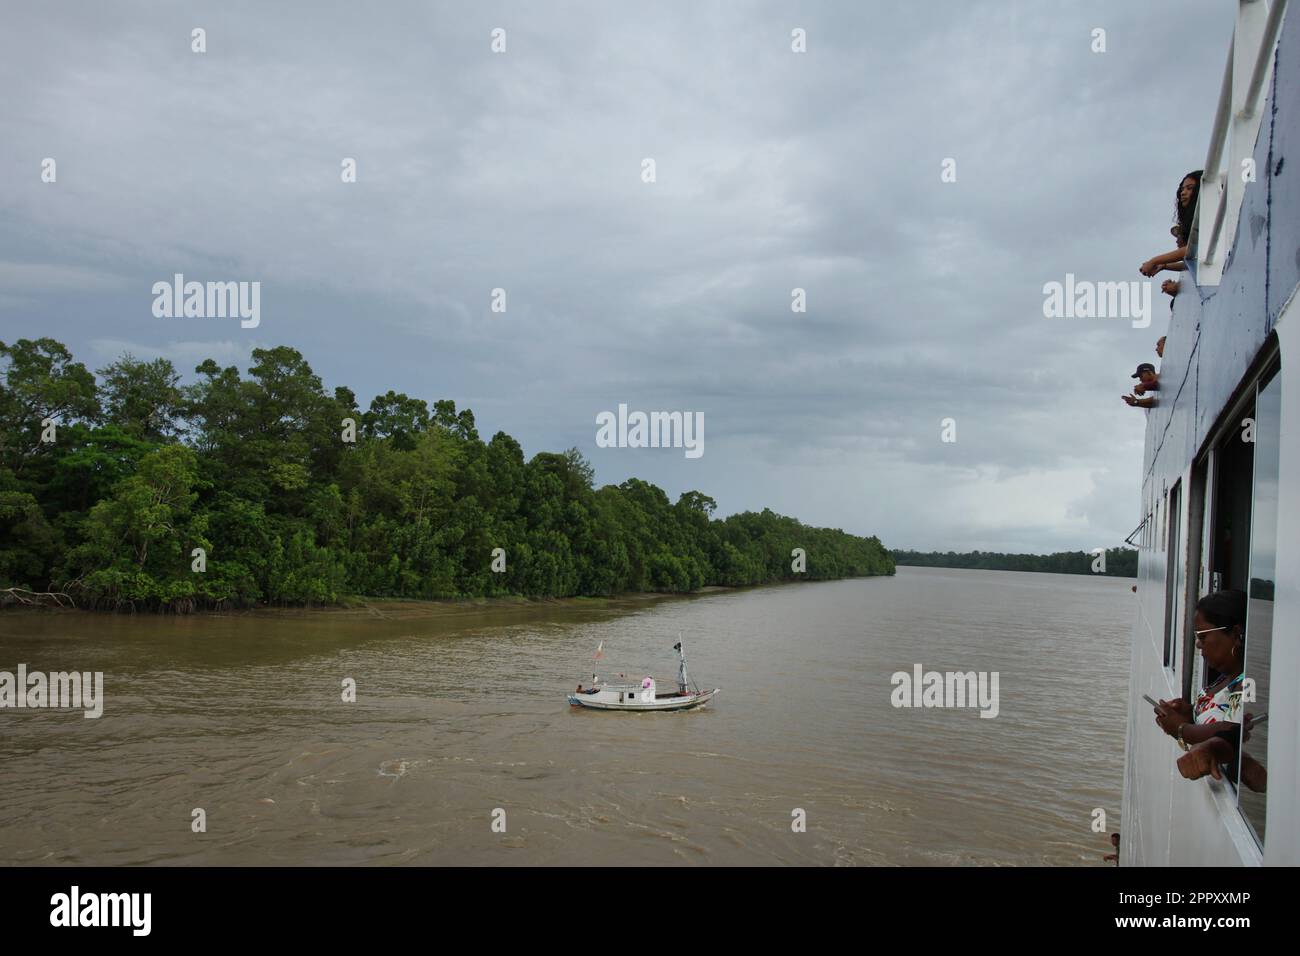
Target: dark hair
column 1224, row 608
column 1183, row 214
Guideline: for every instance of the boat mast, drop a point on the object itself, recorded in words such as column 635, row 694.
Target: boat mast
column 681, row 666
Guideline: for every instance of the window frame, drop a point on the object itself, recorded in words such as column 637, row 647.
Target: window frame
column 1228, row 428
column 1173, row 545
column 1200, row 524
column 1267, row 375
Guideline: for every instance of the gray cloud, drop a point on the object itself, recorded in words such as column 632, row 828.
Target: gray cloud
column 521, row 171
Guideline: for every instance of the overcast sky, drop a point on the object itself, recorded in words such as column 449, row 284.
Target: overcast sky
column 523, row 170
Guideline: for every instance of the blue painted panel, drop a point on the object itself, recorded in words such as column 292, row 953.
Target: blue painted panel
column 1216, row 333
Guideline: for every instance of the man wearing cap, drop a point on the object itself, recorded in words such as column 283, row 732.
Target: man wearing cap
column 1148, row 382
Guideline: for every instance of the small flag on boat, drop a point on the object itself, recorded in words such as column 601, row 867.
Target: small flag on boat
column 600, row 651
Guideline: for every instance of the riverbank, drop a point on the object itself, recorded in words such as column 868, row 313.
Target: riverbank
column 403, row 608
column 396, row 608
column 1112, row 562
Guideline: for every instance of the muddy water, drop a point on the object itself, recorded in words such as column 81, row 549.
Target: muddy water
column 461, row 712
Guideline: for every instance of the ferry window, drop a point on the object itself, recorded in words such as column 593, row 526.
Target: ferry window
column 1229, row 536
column 1198, row 532
column 1253, row 773
column 1157, row 530
column 1174, row 577
column 1230, row 543
column 1162, row 505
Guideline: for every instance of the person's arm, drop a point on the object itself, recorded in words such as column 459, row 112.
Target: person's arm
column 1139, row 402
column 1172, row 714
column 1205, row 759
column 1253, row 774
column 1179, row 266
column 1175, row 718
column 1194, row 734
column 1154, row 265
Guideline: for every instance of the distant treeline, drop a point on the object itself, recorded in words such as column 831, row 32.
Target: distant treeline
column 133, row 491
column 1120, row 562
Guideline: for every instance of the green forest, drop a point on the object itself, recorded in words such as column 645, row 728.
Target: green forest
column 1120, row 562
column 126, row 489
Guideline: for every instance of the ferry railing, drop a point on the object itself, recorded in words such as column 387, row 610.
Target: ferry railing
column 1236, row 125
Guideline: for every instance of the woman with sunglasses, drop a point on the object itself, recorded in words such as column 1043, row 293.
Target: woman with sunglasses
column 1220, row 625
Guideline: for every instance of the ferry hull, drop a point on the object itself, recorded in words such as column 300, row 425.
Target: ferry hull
column 1230, row 358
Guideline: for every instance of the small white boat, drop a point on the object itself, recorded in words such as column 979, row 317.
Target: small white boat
column 643, row 695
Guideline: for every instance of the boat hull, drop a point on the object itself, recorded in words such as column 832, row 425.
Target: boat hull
column 689, row 702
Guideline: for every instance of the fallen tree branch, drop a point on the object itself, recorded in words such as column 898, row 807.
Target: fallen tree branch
column 35, row 598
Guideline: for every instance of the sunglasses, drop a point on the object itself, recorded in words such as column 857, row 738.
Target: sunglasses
column 1210, row 630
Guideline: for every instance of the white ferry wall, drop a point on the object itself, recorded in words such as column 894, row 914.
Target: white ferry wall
column 1215, row 338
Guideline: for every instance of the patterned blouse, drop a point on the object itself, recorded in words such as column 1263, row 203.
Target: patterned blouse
column 1223, row 705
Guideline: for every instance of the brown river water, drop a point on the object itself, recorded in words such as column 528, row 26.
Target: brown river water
column 461, row 712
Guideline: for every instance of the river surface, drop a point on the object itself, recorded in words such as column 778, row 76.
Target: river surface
column 461, row 713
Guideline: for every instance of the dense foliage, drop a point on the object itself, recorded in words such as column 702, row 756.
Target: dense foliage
column 1120, row 562
column 256, row 471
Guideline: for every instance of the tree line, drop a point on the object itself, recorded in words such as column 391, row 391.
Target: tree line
column 127, row 489
column 1120, row 562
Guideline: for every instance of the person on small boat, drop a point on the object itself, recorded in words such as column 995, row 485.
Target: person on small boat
column 1219, row 623
column 681, row 669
